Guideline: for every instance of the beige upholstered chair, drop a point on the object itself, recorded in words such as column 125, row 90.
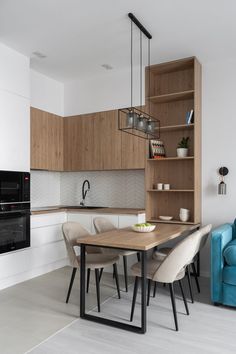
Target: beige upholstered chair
column 160, row 254
column 171, row 269
column 102, row 224
column 72, row 231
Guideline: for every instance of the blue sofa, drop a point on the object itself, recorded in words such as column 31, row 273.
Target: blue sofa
column 223, row 265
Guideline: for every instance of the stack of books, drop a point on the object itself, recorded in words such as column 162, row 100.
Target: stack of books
column 190, row 117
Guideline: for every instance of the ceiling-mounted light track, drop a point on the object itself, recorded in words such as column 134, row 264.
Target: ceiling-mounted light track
column 132, row 120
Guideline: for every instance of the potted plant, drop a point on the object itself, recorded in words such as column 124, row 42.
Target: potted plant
column 182, row 149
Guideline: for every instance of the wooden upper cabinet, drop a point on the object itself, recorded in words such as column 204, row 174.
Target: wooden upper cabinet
column 88, row 142
column 46, row 140
column 133, row 152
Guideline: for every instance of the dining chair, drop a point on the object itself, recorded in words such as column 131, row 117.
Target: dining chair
column 72, row 231
column 169, row 271
column 160, row 254
column 102, row 224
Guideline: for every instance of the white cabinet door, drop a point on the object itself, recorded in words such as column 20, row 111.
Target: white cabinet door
column 42, row 220
column 48, row 234
column 83, row 218
column 128, row 220
column 112, row 218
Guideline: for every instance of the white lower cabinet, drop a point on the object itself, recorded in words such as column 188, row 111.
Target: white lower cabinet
column 47, row 251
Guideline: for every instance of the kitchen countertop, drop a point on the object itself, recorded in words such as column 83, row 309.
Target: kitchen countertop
column 63, row 208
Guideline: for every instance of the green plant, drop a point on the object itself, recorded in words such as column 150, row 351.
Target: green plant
column 183, row 144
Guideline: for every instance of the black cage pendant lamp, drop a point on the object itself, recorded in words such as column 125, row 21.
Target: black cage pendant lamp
column 130, row 119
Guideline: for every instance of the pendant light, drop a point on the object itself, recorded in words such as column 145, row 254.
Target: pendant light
column 132, row 120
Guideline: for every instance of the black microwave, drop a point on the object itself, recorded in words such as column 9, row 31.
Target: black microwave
column 14, row 187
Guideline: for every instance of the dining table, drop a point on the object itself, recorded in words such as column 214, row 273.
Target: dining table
column 128, row 239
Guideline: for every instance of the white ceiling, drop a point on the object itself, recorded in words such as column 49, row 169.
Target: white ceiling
column 79, row 36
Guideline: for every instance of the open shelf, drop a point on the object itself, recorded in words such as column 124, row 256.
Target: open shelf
column 171, row 97
column 171, row 190
column 172, row 158
column 177, row 127
column 173, row 221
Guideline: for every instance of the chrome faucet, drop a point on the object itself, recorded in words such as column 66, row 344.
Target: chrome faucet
column 84, row 191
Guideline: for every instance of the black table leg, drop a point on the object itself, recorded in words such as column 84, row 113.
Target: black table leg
column 106, row 321
column 144, row 292
column 82, row 281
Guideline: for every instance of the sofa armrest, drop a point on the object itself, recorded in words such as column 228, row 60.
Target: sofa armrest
column 220, row 237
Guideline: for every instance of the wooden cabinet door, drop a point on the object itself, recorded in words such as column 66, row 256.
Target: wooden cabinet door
column 55, row 142
column 46, row 140
column 109, row 139
column 133, row 154
column 38, row 139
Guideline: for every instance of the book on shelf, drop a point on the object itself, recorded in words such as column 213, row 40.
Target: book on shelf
column 190, row 117
column 157, row 149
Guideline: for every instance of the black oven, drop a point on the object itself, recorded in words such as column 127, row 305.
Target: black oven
column 14, row 210
column 14, row 227
column 14, row 187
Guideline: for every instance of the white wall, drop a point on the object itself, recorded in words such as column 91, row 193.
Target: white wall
column 46, row 94
column 14, row 110
column 101, row 93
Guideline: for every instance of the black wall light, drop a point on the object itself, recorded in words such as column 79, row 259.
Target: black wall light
column 223, row 171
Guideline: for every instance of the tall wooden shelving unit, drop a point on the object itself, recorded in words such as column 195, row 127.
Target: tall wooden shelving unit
column 175, row 88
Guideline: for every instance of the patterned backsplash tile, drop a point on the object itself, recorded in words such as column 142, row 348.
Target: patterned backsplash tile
column 108, row 188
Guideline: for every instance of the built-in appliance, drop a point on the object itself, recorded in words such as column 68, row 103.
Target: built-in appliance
column 14, row 187
column 14, row 210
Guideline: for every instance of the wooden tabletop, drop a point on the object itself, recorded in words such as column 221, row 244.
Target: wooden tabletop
column 129, row 239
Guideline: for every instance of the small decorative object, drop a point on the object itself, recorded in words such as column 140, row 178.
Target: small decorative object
column 184, row 214
column 223, row 171
column 165, row 218
column 145, row 227
column 166, row 186
column 160, row 186
column 157, row 149
column 182, row 150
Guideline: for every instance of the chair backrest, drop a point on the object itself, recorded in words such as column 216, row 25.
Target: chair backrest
column 102, row 225
column 180, row 256
column 71, row 232
column 205, row 231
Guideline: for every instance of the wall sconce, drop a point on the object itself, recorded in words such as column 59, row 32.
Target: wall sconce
column 223, row 171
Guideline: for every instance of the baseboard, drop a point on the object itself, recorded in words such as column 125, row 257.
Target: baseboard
column 19, row 278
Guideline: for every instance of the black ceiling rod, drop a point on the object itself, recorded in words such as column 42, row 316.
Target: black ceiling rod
column 139, row 25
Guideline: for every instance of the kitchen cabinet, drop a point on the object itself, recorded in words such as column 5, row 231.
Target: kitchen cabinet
column 87, row 142
column 46, row 140
column 133, row 152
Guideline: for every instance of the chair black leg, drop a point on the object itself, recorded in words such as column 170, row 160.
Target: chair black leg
column 97, row 288
column 100, row 275
column 71, row 284
column 138, row 256
column 88, row 278
column 125, row 272
column 190, row 284
column 154, row 289
column 172, row 295
column 116, row 279
column 195, row 277
column 184, row 298
column 136, row 283
column 149, row 291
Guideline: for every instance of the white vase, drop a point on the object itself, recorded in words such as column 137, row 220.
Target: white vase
column 182, row 152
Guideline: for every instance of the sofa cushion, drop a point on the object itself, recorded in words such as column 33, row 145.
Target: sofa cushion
column 230, row 253
column 229, row 275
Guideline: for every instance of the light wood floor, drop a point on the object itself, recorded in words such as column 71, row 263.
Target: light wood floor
column 208, row 329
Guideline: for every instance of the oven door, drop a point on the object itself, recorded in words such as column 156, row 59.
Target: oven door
column 14, row 230
column 10, row 187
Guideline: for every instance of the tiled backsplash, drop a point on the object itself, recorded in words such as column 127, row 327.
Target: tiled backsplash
column 108, row 188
